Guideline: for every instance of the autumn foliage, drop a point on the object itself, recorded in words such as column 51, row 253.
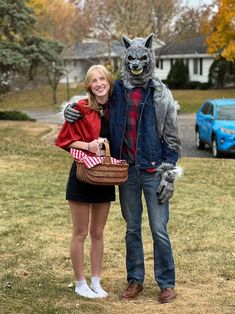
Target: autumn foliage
column 58, row 20
column 221, row 40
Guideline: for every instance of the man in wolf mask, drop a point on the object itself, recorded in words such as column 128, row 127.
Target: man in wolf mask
column 144, row 131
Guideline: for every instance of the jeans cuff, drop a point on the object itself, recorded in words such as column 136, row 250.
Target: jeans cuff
column 134, row 281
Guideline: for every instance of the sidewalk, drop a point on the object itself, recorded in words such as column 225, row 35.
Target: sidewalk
column 53, row 117
column 49, row 117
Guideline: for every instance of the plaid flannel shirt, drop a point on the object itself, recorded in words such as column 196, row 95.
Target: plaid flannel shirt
column 134, row 99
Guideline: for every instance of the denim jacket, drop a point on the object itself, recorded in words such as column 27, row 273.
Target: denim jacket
column 151, row 151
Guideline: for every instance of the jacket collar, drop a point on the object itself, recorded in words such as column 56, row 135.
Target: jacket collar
column 128, row 85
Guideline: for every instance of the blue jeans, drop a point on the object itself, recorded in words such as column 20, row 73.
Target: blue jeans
column 131, row 204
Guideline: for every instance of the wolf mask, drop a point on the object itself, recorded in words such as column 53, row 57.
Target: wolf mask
column 138, row 60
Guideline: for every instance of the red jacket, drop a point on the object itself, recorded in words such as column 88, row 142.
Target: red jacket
column 86, row 129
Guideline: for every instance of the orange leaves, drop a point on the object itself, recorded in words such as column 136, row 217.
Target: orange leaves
column 222, row 38
column 55, row 19
column 229, row 52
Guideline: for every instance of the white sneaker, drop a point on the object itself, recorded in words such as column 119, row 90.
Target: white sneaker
column 99, row 291
column 86, row 292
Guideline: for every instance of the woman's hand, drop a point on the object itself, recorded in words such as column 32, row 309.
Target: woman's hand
column 93, row 146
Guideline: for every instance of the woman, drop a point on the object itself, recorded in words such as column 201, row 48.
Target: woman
column 89, row 204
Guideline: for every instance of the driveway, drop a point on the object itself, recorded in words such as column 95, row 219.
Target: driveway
column 187, row 130
column 186, row 121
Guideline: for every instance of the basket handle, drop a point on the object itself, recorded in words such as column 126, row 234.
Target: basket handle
column 107, row 158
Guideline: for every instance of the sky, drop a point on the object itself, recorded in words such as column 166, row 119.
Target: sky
column 197, row 3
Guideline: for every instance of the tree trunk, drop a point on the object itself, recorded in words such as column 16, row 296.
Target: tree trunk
column 54, row 96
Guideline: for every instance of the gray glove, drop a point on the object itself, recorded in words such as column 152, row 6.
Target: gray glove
column 165, row 190
column 72, row 115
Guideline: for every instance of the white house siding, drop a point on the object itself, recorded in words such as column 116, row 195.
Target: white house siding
column 75, row 71
column 164, row 66
column 203, row 78
column 163, row 71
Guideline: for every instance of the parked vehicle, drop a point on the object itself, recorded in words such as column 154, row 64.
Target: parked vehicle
column 215, row 126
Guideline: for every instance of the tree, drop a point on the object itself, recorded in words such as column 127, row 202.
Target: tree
column 132, row 17
column 53, row 66
column 44, row 55
column 59, row 20
column 222, row 72
column 15, row 22
column 221, row 39
column 191, row 22
column 23, row 52
column 178, row 76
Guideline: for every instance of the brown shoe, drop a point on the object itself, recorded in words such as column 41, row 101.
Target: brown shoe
column 167, row 295
column 132, row 291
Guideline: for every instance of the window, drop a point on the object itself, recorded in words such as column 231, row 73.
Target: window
column 200, row 66
column 211, row 110
column 226, row 112
column 205, row 108
column 159, row 64
column 195, row 66
column 208, row 109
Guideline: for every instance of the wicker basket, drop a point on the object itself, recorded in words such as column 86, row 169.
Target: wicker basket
column 105, row 173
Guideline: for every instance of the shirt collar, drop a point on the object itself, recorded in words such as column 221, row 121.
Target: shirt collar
column 146, row 86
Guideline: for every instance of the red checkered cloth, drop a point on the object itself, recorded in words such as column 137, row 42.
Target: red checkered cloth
column 91, row 161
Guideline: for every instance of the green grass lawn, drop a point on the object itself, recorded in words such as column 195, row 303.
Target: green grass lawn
column 41, row 98
column 37, row 98
column 36, row 226
column 190, row 100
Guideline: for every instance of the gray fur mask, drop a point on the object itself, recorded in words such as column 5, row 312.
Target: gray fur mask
column 138, row 61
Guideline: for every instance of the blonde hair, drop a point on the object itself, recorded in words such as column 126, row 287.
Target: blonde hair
column 93, row 104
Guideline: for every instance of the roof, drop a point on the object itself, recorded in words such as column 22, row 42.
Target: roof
column 194, row 46
column 93, row 50
column 96, row 49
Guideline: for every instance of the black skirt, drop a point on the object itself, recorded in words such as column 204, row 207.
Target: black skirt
column 87, row 193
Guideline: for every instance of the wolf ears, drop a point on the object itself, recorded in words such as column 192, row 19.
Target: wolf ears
column 147, row 42
column 126, row 41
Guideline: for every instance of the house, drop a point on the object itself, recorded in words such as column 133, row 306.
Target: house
column 79, row 58
column 193, row 53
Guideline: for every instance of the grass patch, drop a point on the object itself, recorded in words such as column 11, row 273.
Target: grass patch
column 191, row 100
column 37, row 98
column 41, row 98
column 35, row 227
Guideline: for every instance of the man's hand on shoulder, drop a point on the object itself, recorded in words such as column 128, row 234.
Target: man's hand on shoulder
column 71, row 115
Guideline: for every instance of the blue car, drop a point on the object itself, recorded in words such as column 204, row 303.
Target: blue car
column 215, row 126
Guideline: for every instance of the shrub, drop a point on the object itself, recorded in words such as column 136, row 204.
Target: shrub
column 193, row 85
column 178, row 75
column 204, row 86
column 14, row 115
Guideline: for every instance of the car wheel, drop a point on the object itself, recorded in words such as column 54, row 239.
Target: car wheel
column 199, row 143
column 215, row 151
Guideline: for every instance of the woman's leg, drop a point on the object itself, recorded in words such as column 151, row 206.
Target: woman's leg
column 80, row 213
column 99, row 214
column 80, row 218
